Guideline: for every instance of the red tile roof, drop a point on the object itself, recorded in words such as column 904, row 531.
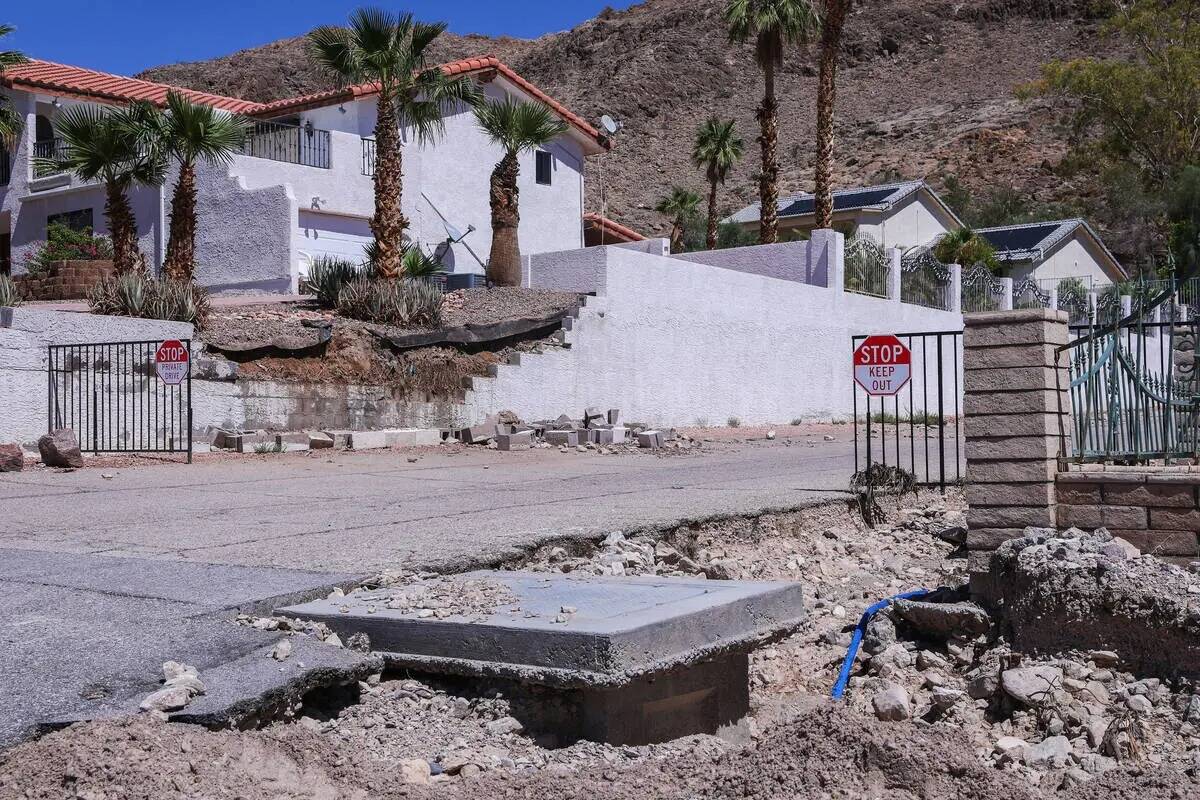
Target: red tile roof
column 612, row 228
column 88, row 84
column 466, row 66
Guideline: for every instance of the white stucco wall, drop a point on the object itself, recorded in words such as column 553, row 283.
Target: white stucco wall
column 23, row 381
column 672, row 342
column 913, row 222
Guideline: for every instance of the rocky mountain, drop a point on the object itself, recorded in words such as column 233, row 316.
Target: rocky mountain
column 926, row 90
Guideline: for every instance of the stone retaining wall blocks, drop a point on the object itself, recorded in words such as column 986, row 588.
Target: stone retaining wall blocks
column 515, row 441
column 561, row 438
column 1092, row 517
column 367, row 440
column 319, row 441
column 650, row 439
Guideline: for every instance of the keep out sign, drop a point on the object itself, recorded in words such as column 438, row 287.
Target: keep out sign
column 882, row 365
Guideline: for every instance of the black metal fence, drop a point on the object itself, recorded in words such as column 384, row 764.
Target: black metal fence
column 294, row 144
column 110, row 394
column 44, row 152
column 920, row 428
column 368, row 156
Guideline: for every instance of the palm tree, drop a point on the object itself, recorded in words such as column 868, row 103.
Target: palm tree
column 10, row 120
column 104, row 145
column 773, row 24
column 717, row 149
column 392, row 52
column 188, row 133
column 966, row 248
column 680, row 206
column 833, row 24
column 516, row 127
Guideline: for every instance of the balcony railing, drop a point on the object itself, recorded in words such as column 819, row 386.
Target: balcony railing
column 294, row 144
column 5, row 166
column 368, row 157
column 47, row 150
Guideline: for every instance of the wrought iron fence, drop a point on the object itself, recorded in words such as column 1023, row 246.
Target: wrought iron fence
column 924, row 280
column 867, row 267
column 294, row 144
column 110, row 394
column 368, row 156
column 981, row 290
column 45, row 154
column 1028, row 294
column 1133, row 389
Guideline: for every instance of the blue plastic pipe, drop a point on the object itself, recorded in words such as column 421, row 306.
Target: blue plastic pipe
column 839, row 688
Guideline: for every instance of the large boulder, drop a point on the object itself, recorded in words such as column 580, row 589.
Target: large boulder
column 60, row 449
column 942, row 621
column 12, row 459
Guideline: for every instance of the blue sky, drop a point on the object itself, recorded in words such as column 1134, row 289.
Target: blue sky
column 126, row 36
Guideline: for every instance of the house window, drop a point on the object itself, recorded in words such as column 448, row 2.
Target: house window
column 544, row 166
column 5, row 253
column 80, row 220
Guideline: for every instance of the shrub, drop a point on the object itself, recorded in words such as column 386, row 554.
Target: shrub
column 733, row 422
column 67, row 244
column 397, row 302
column 139, row 295
column 9, row 294
column 414, row 263
column 326, row 277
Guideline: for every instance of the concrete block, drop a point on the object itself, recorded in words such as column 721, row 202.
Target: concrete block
column 1178, row 519
column 515, row 441
column 600, row 435
column 479, row 434
column 1009, row 448
column 1045, row 401
column 1015, row 379
column 319, row 441
column 991, row 538
column 340, row 437
column 1009, row 494
column 619, row 434
column 592, row 415
column 225, row 440
column 650, row 439
column 568, row 438
column 1033, row 471
column 1090, row 517
column 1017, row 355
column 614, row 415
column 367, row 440
column 1010, row 517
column 1162, row 543
column 1027, row 424
column 1079, row 493
column 289, row 443
column 1161, row 495
column 412, row 437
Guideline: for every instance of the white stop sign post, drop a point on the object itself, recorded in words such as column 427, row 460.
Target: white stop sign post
column 172, row 362
column 882, row 365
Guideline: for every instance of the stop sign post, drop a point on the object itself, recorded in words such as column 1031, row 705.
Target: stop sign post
column 882, row 365
column 172, row 362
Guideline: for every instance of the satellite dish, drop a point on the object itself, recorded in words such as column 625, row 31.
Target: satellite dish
column 453, row 232
column 609, row 124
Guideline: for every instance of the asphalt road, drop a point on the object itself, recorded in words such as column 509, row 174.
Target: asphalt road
column 104, row 578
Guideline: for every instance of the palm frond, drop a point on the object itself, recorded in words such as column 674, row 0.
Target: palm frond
column 517, row 126
column 199, row 132
column 772, row 24
column 332, row 48
column 432, row 95
column 9, row 58
column 717, row 148
column 682, row 204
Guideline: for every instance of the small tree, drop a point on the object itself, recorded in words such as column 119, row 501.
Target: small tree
column 106, row 145
column 717, row 149
column 680, row 206
column 966, row 248
column 517, row 127
column 773, row 24
column 10, row 120
column 187, row 133
column 393, row 52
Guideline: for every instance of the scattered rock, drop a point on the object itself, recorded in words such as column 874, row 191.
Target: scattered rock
column 943, row 620
column 12, row 458
column 892, row 704
column 1053, row 752
column 60, row 449
column 1031, row 686
column 505, row 725
column 171, row 698
column 415, row 770
column 282, row 650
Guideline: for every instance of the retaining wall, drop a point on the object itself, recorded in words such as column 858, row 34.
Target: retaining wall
column 1155, row 509
column 64, row 280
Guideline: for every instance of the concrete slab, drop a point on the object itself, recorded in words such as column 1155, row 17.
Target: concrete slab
column 621, row 627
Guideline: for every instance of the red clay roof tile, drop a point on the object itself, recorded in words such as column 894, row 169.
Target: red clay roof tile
column 613, row 227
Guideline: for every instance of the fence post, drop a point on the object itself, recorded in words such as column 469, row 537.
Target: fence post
column 827, row 251
column 1006, row 297
column 1126, row 305
column 1052, row 303
column 895, row 274
column 956, row 288
column 1016, row 411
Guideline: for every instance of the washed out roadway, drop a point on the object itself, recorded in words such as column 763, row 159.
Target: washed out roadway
column 102, row 579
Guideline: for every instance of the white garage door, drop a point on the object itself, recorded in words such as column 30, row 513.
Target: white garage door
column 333, row 235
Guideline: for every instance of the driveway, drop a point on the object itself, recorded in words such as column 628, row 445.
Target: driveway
column 104, row 578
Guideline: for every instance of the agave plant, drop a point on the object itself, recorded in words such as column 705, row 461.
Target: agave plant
column 326, row 277
column 401, row 303
column 9, row 295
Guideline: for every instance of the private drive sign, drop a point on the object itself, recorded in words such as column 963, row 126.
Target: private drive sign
column 171, row 361
column 882, row 365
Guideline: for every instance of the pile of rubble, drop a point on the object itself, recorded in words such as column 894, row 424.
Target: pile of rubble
column 595, row 430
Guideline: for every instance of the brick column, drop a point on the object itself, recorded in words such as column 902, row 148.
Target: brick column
column 1012, row 428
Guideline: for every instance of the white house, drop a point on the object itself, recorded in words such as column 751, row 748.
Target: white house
column 303, row 186
column 1049, row 251
column 894, row 215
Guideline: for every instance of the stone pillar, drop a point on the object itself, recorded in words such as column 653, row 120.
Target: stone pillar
column 1013, row 424
column 1006, row 298
column 827, row 259
column 895, row 274
column 955, row 288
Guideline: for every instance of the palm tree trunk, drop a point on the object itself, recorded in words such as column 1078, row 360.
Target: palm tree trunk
column 831, row 39
column 710, row 241
column 388, row 223
column 677, row 236
column 504, row 263
column 180, row 262
column 768, row 186
column 122, row 228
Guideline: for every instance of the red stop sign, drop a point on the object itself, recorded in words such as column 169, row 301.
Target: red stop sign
column 171, row 361
column 882, row 365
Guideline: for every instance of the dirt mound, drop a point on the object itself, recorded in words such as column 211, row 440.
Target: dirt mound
column 912, row 99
